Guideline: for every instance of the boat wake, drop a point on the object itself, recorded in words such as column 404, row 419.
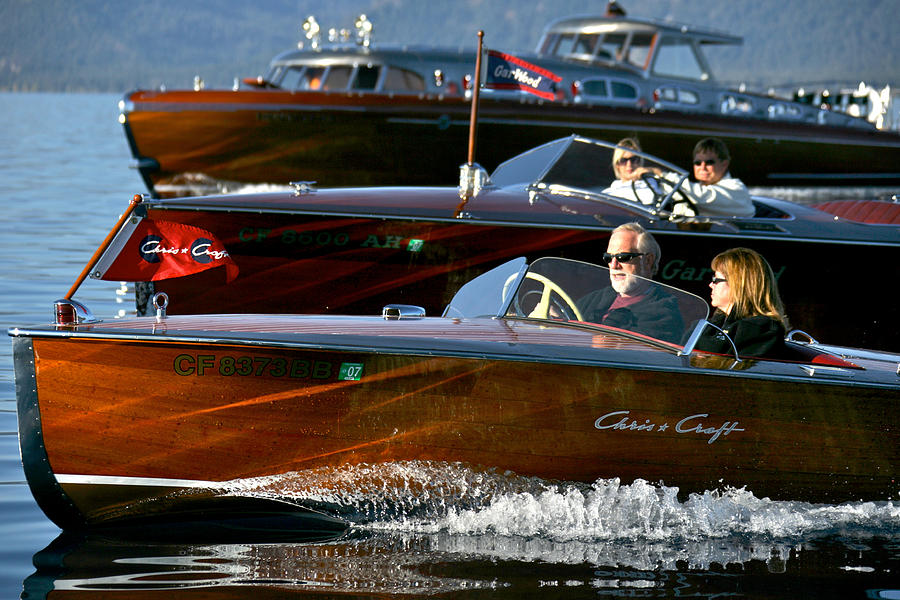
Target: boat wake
column 200, row 184
column 430, row 498
column 815, row 195
column 426, row 528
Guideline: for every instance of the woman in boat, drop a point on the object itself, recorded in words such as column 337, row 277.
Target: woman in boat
column 748, row 307
column 628, row 168
column 625, row 164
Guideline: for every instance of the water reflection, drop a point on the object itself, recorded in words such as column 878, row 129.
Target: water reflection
column 365, row 563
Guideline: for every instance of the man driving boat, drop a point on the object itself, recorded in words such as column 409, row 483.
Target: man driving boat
column 715, row 193
column 632, row 303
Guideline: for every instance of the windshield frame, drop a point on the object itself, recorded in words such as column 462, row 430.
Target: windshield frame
column 559, row 168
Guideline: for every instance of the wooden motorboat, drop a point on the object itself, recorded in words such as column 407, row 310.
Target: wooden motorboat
column 352, row 251
column 120, row 420
column 350, row 114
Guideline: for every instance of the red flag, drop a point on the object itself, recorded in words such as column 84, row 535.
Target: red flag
column 154, row 250
column 508, row 72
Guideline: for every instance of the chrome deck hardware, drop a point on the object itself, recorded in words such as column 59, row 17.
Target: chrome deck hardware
column 402, row 311
column 303, row 187
column 72, row 312
column 160, row 302
column 472, row 179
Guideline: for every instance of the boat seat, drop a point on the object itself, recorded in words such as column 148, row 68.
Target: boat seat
column 863, row 211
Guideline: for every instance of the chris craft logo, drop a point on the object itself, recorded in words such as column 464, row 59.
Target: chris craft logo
column 153, row 247
column 697, row 424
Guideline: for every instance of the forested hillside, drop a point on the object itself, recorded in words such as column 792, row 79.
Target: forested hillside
column 108, row 45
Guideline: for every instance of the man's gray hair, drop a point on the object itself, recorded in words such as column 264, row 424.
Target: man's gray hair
column 646, row 243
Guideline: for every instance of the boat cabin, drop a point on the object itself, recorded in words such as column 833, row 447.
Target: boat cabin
column 603, row 60
column 650, row 48
column 350, row 69
column 670, row 63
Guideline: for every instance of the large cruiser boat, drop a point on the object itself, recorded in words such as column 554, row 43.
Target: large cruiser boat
column 350, row 112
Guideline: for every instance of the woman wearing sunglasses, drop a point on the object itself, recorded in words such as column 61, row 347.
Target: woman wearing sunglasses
column 748, row 307
column 628, row 168
column 715, row 192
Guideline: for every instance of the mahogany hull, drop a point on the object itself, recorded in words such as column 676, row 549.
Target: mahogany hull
column 270, row 136
column 122, row 416
column 302, row 262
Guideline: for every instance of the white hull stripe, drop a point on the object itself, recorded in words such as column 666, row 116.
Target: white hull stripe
column 135, row 481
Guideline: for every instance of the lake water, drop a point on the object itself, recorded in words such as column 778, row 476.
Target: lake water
column 64, row 179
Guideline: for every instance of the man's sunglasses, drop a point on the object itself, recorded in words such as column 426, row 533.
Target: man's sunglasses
column 709, row 161
column 622, row 257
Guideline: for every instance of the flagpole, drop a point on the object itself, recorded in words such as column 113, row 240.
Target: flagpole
column 473, row 118
column 467, row 171
column 109, row 238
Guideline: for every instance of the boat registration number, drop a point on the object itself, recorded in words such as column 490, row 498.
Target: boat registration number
column 263, row 366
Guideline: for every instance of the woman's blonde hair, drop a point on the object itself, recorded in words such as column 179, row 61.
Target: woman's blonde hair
column 754, row 290
column 623, row 146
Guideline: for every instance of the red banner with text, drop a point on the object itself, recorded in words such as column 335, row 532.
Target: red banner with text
column 162, row 250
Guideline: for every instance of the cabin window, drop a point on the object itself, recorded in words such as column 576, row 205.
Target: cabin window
column 586, row 43
column 677, row 95
column 274, row 75
column 731, row 104
column 548, row 44
column 688, row 97
column 611, row 47
column 310, row 80
column 623, row 91
column 564, row 44
column 639, row 49
column 290, row 77
column 401, row 80
column 366, row 77
column 606, row 89
column 594, row 87
column 676, row 58
column 338, row 78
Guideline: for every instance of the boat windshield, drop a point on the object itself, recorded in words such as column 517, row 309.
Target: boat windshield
column 577, row 164
column 581, row 293
column 488, row 294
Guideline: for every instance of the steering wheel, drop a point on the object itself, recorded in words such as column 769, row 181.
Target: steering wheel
column 564, row 305
column 661, row 187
